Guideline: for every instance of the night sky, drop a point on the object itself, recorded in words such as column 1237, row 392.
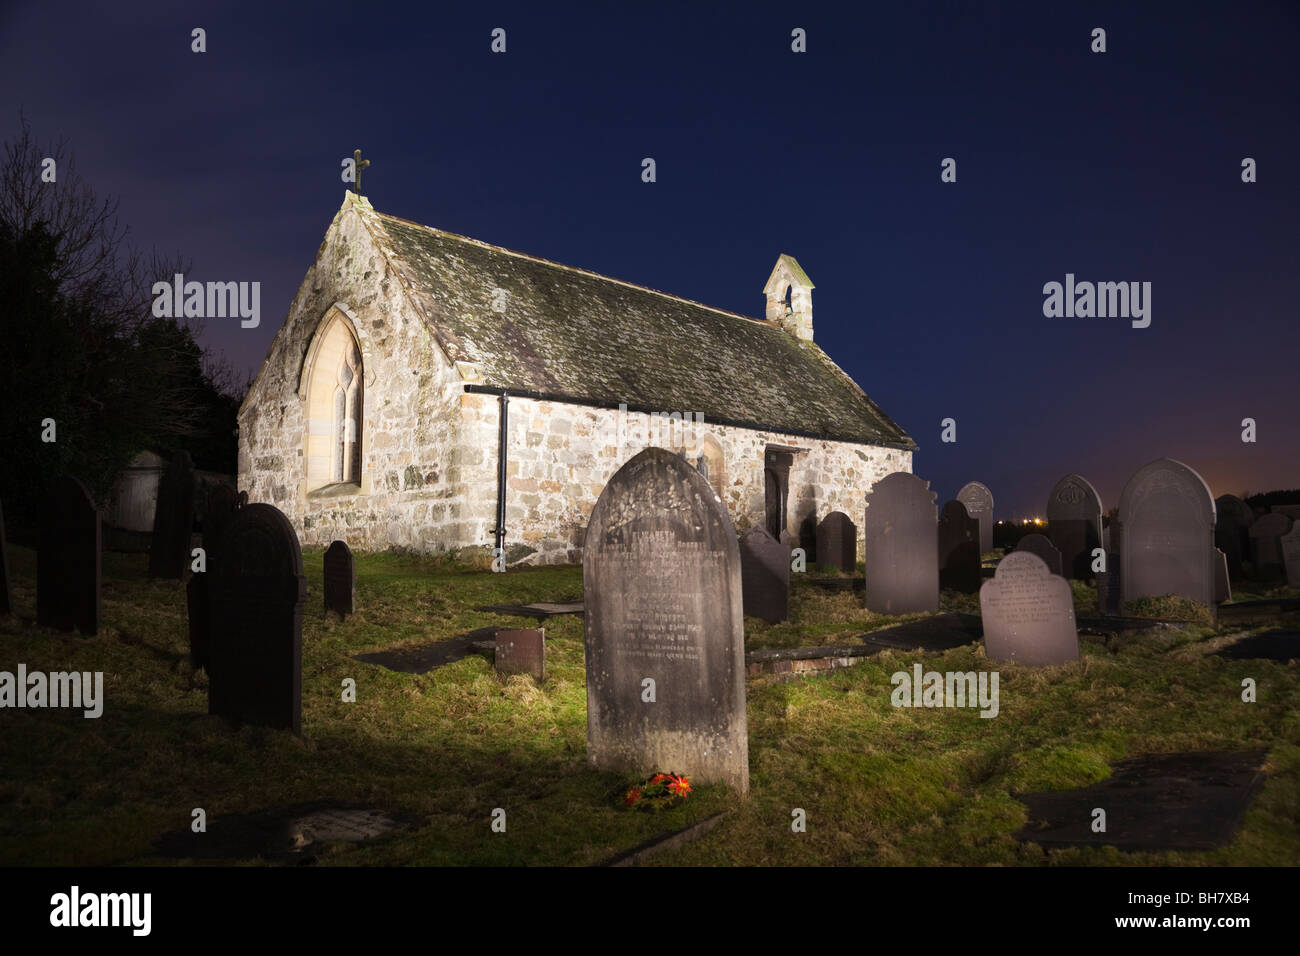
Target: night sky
column 1122, row 166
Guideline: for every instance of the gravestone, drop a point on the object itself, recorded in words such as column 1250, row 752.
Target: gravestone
column 1291, row 511
column 340, row 579
column 521, row 652
column 258, row 589
column 1040, row 545
column 1074, row 524
column 808, row 538
column 1290, row 543
column 1265, row 545
column 173, row 518
column 1232, row 521
column 1166, row 522
column 902, row 545
column 217, row 514
column 68, row 571
column 1108, row 597
column 979, row 505
column 6, row 595
column 664, row 627
column 959, row 549
column 1028, row 613
column 837, row 542
column 764, row 576
column 1222, row 580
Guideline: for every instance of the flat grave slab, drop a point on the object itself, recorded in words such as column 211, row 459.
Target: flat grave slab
column 1183, row 801
column 540, row 609
column 1275, row 645
column 422, row 658
column 942, row 632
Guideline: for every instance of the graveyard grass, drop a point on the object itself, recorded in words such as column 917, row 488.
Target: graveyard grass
column 880, row 785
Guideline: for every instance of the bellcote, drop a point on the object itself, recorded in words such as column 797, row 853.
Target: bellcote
column 789, row 298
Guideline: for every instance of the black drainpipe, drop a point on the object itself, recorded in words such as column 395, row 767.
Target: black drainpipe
column 500, row 529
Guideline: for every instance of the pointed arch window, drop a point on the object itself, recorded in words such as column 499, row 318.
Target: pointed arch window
column 333, row 390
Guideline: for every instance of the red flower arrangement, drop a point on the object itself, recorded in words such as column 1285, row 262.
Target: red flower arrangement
column 659, row 792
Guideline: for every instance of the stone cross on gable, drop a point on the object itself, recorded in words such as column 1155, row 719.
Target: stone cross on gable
column 360, row 165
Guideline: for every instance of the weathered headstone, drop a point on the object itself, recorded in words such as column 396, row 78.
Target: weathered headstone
column 1265, row 545
column 959, row 549
column 664, row 626
column 979, row 505
column 68, row 571
column 902, row 546
column 340, row 579
column 217, row 514
column 1040, row 545
column 1074, row 524
column 1166, row 520
column 6, row 595
column 169, row 553
column 837, row 542
column 1028, row 613
column 258, row 590
column 1108, row 594
column 808, row 537
column 522, row 651
column 1290, row 543
column 1232, row 521
column 765, row 575
column 1222, row 581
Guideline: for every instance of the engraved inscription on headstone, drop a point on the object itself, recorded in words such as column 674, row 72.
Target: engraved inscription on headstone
column 1232, row 521
column 1166, row 520
column 1290, row 543
column 902, row 546
column 68, row 572
column 765, row 576
column 521, row 651
column 6, row 595
column 258, row 590
column 979, row 505
column 1028, row 613
column 1074, row 524
column 837, row 542
column 1265, row 545
column 169, row 551
column 1039, row 544
column 959, row 549
column 664, row 627
column 340, row 579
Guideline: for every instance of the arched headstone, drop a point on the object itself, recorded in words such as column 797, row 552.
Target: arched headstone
column 979, row 505
column 1266, row 545
column 837, row 542
column 959, row 549
column 1232, row 521
column 1074, row 524
column 258, row 590
column 765, row 576
column 902, row 546
column 218, row 512
column 1166, row 522
column 68, row 571
column 1039, row 544
column 664, row 626
column 169, row 551
column 1028, row 613
column 340, row 579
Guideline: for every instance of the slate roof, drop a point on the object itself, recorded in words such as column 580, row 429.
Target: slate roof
column 573, row 335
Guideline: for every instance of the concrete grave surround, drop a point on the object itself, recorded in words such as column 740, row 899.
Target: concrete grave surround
column 1028, row 613
column 1290, row 544
column 661, row 579
column 340, row 579
column 1265, row 544
column 979, row 505
column 901, row 535
column 68, row 568
column 837, row 542
column 959, row 549
column 407, row 335
column 765, row 576
column 1232, row 521
column 1040, row 545
column 1166, row 519
column 1074, row 524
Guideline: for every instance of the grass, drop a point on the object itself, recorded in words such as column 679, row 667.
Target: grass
column 879, row 785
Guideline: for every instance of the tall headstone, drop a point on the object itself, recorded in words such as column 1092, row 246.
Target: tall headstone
column 1074, row 524
column 1266, row 545
column 218, row 512
column 902, row 546
column 765, row 576
column 979, row 505
column 1290, row 543
column 959, row 549
column 521, row 651
column 1232, row 521
column 837, row 542
column 664, row 626
column 1040, row 545
column 340, row 579
column 68, row 570
column 1028, row 613
column 173, row 519
column 258, row 590
column 1222, row 580
column 6, row 595
column 1166, row 522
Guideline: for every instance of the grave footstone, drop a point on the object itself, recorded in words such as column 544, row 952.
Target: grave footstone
column 1166, row 520
column 1266, row 547
column 1028, row 613
column 1074, row 524
column 522, row 651
column 6, row 595
column 169, row 551
column 258, row 590
column 68, row 570
column 1222, row 580
column 1040, row 545
column 1232, row 521
column 959, row 549
column 765, row 576
column 979, row 505
column 837, row 542
column 902, row 546
column 665, row 654
column 340, row 579
column 1290, row 544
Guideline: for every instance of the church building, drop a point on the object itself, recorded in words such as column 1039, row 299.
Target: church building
column 432, row 392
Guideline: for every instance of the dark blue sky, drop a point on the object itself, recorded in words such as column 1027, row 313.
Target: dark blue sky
column 1115, row 166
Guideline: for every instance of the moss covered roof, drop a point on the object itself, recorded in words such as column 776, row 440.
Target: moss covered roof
column 538, row 327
